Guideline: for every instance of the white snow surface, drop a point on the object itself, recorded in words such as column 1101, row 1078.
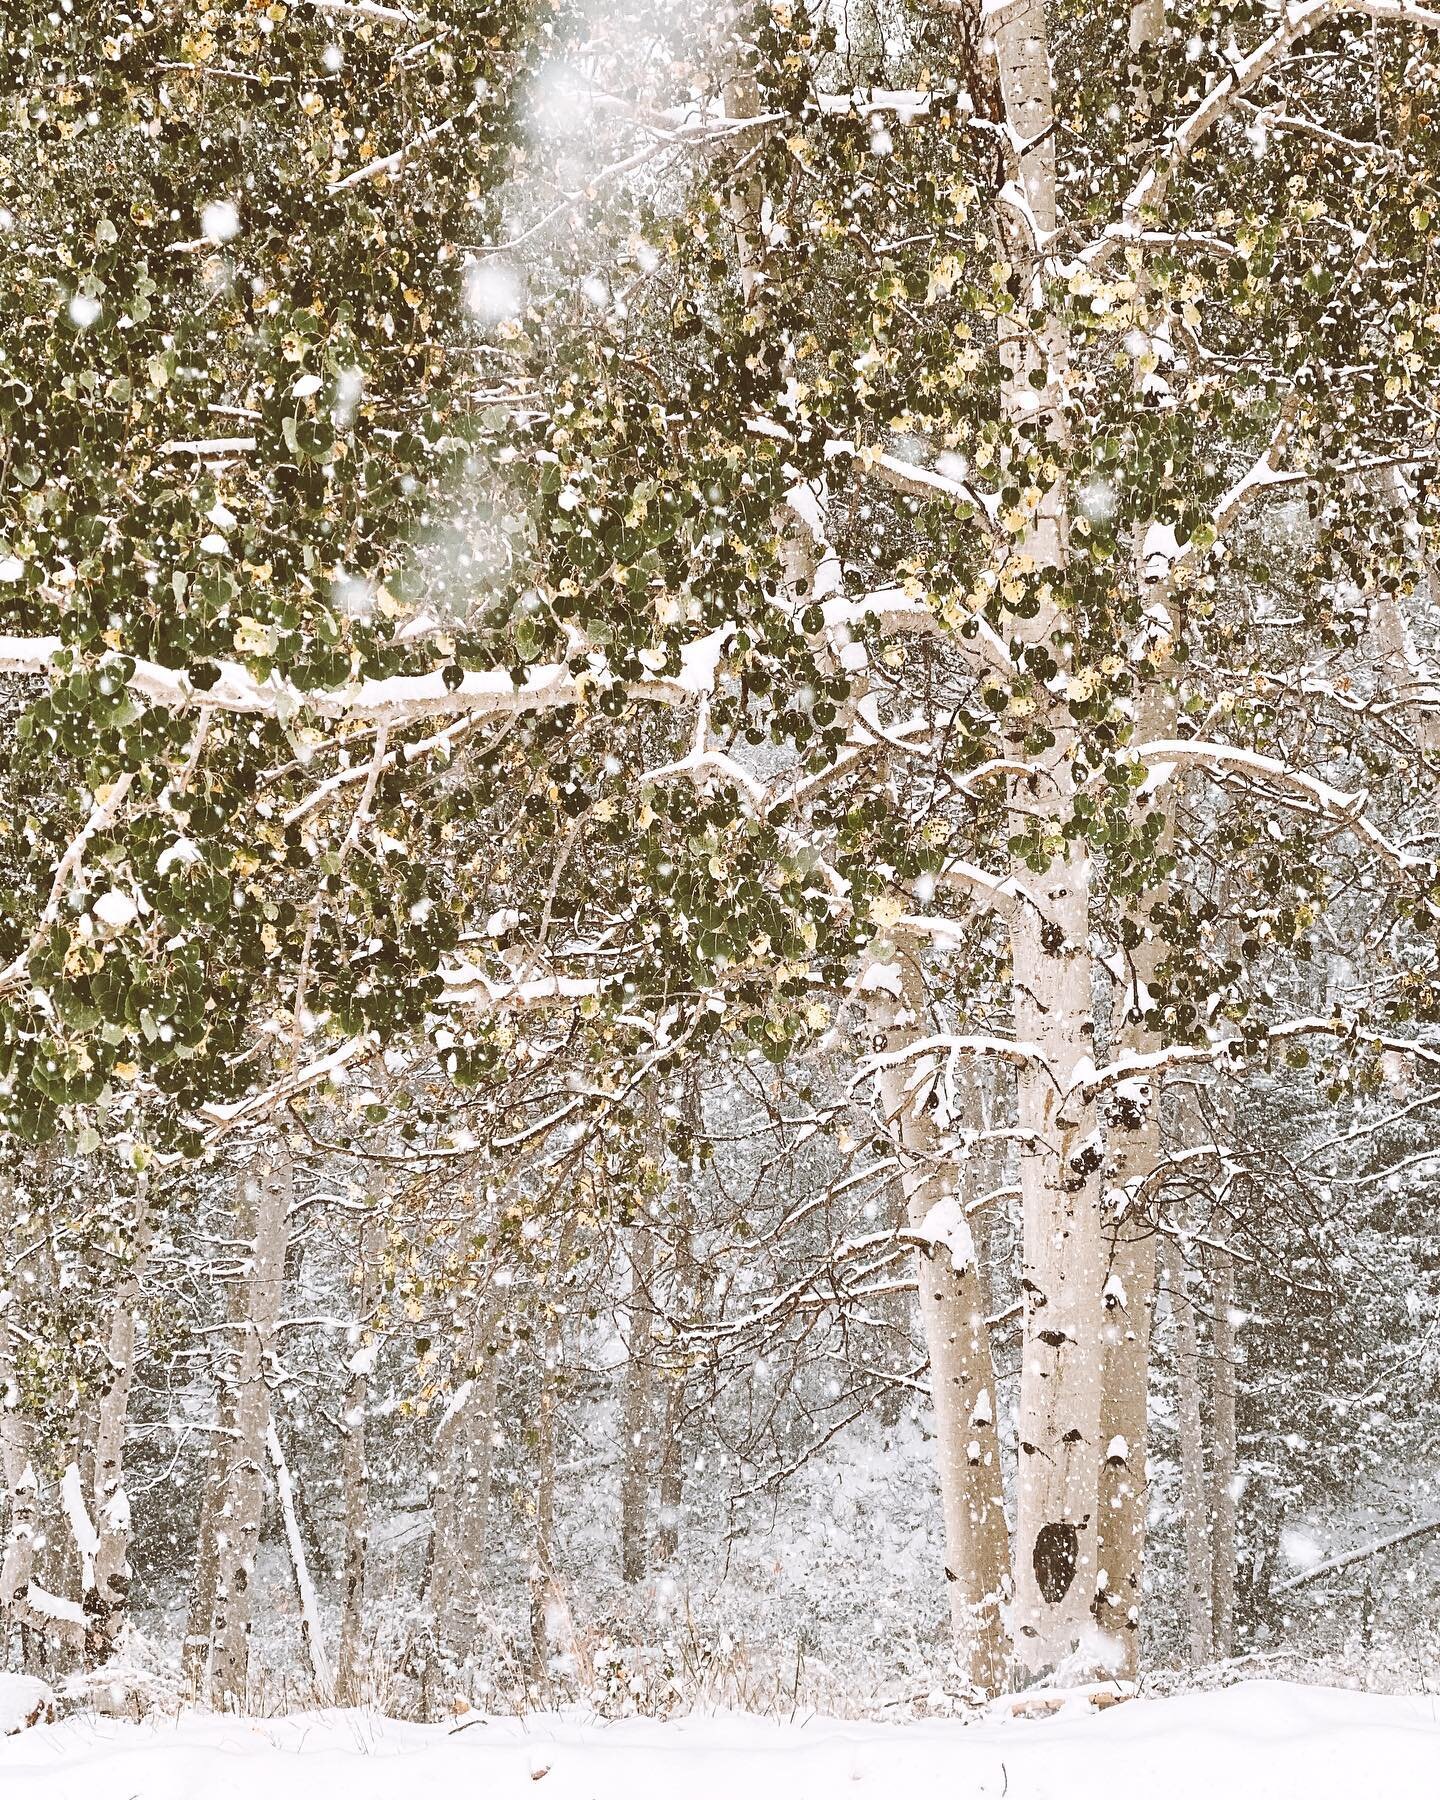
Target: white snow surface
column 1256, row 1741
column 946, row 1224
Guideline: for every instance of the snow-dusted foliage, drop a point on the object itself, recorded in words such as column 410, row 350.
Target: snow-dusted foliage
column 718, row 965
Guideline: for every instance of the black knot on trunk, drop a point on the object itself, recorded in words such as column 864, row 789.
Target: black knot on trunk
column 1054, row 1558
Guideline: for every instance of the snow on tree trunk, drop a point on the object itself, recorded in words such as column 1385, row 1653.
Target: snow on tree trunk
column 636, row 1419
column 111, row 1586
column 265, row 1206
column 1194, row 1503
column 23, row 1601
column 1063, row 1257
column 1222, row 1486
column 1063, row 1273
column 199, row 1626
column 1133, row 1138
column 1129, row 1295
column 671, row 1485
column 355, row 1470
column 952, row 1312
column 545, row 1619
column 464, row 1454
column 310, row 1629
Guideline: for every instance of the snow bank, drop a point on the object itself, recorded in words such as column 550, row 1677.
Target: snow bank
column 1260, row 1741
column 24, row 1701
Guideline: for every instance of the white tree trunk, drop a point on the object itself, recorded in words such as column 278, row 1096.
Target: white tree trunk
column 1193, row 1493
column 265, row 1202
column 1058, row 1500
column 636, row 1422
column 1124, row 1492
column 464, row 1456
column 680, row 1298
column 355, row 1471
column 548, row 1615
column 310, row 1628
column 112, row 1504
column 952, row 1311
column 1133, row 1132
column 23, row 1601
column 1063, row 1274
column 199, row 1625
column 1222, row 1489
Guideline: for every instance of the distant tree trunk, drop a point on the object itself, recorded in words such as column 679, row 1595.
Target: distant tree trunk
column 1124, row 1491
column 543, row 1596
column 44, row 1619
column 265, row 1205
column 671, row 1495
column 310, row 1630
column 1193, row 1496
column 1133, row 1132
column 952, row 1310
column 636, row 1429
column 463, row 1460
column 111, row 1588
column 1222, row 1501
column 552, row 1629
column 200, row 1618
column 672, row 1474
column 195, row 1659
column 355, row 1470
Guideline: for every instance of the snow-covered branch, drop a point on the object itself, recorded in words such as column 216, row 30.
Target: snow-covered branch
column 102, row 816
column 1297, row 21
column 1346, row 809
column 394, row 700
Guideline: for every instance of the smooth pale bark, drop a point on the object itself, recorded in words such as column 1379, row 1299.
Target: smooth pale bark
column 1134, row 1146
column 1222, row 1485
column 107, row 1599
column 957, row 1339
column 1056, row 1562
column 1190, row 1425
column 310, row 1630
column 1133, row 1131
column 265, row 1201
column 1129, row 1295
column 464, row 1455
column 1064, row 1263
column 355, row 1469
column 637, row 1406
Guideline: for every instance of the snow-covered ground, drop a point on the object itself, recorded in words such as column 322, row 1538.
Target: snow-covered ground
column 1258, row 1741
